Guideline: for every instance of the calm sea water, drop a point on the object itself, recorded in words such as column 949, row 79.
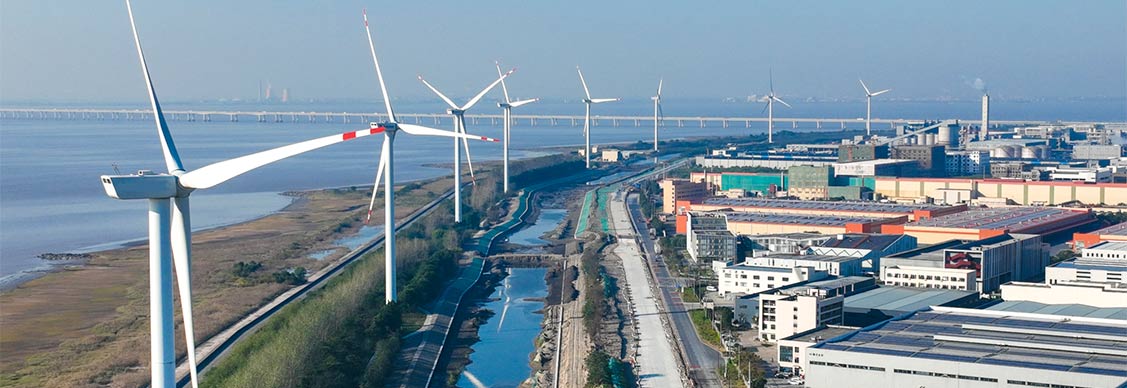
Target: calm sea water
column 51, row 199
column 500, row 359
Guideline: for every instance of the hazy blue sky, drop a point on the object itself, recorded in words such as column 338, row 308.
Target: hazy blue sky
column 67, row 50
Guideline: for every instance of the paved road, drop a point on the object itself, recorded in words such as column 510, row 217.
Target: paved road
column 656, row 357
column 701, row 359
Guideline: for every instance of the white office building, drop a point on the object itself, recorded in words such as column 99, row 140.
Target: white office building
column 1098, row 295
column 930, row 277
column 750, row 279
column 968, row 163
column 1101, row 263
column 833, row 265
column 787, row 313
column 968, row 348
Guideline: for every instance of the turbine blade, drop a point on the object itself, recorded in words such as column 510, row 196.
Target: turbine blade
column 171, row 157
column 376, row 187
column 469, row 161
column 659, row 82
column 181, row 239
column 881, row 92
column 219, row 172
column 440, row 95
column 503, row 87
column 379, row 74
column 771, row 79
column 515, row 104
column 475, row 99
column 584, row 82
column 602, row 100
column 765, row 106
column 867, row 93
column 781, row 101
column 420, row 130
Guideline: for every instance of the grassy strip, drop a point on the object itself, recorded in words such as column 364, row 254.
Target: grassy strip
column 690, row 295
column 704, row 328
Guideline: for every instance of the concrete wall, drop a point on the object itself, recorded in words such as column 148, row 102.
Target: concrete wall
column 1020, row 192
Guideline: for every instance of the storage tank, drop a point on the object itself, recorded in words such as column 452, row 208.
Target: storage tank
column 1029, row 152
column 931, row 139
column 944, row 135
column 1045, row 152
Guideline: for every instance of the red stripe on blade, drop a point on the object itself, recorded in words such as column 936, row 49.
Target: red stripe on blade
column 375, row 130
column 349, row 136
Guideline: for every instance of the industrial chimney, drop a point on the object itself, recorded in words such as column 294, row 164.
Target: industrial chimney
column 984, row 131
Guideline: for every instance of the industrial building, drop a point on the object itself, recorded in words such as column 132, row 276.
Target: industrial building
column 929, row 277
column 1013, row 148
column 868, row 246
column 944, row 346
column 778, row 162
column 787, row 313
column 711, row 245
column 1104, row 262
column 1099, row 295
column 1117, row 232
column 747, row 306
column 837, row 208
column 771, row 223
column 878, row 167
column 1020, row 192
column 763, row 183
column 981, row 223
column 1067, row 309
column 1096, row 151
column 886, row 302
column 967, row 163
column 996, row 260
column 833, row 265
column 858, row 152
column 1086, row 174
column 931, row 158
column 810, row 182
column 748, row 279
column 674, row 190
column 799, row 242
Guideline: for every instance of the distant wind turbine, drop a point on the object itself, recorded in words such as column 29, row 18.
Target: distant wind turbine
column 170, row 229
column 587, row 116
column 508, row 106
column 459, row 113
column 386, row 169
column 869, row 106
column 770, row 99
column 657, row 110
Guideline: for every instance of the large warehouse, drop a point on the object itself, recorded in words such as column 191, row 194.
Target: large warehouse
column 839, row 208
column 955, row 347
column 977, row 224
column 1117, row 232
column 1020, row 191
column 771, row 223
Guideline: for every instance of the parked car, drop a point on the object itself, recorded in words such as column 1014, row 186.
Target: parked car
column 797, row 380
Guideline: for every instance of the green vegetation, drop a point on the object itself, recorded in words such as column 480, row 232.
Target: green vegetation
column 1112, row 218
column 606, row 371
column 593, row 287
column 244, row 269
column 1063, row 255
column 704, row 328
column 293, row 276
column 690, row 295
column 744, row 364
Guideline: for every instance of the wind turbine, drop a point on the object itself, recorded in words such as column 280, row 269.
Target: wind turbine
column 508, row 106
column 386, row 168
column 170, row 230
column 771, row 99
column 657, row 111
column 587, row 117
column 869, row 106
column 459, row 113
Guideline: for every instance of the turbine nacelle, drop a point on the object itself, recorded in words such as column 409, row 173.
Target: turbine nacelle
column 456, row 111
column 389, row 127
column 143, row 185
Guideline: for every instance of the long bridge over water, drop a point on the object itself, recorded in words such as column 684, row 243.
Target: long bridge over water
column 476, row 119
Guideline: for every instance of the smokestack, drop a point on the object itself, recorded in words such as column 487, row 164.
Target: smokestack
column 268, row 87
column 984, row 131
column 285, row 95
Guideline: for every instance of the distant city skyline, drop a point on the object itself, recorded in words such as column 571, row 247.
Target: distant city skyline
column 82, row 51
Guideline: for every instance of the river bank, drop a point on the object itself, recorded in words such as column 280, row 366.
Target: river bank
column 83, row 324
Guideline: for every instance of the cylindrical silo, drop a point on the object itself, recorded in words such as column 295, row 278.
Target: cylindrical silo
column 1028, row 153
column 944, row 135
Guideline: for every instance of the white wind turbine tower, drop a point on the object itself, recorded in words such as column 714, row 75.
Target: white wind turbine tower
column 170, row 237
column 460, row 127
column 587, row 116
column 657, row 111
column 771, row 99
column 386, row 169
column 508, row 106
column 869, row 106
